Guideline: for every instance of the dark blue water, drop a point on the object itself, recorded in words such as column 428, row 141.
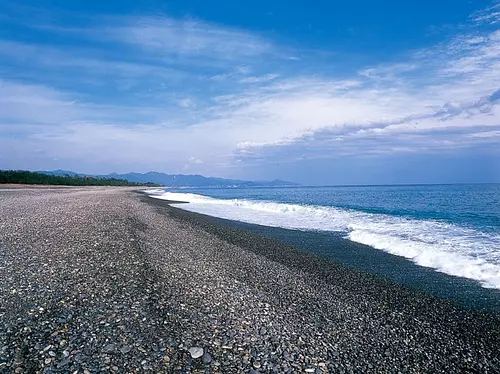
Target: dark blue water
column 443, row 238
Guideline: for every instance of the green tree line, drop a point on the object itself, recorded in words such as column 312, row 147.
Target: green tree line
column 29, row 177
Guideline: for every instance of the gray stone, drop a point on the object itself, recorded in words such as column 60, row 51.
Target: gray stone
column 109, row 348
column 125, row 349
column 207, row 358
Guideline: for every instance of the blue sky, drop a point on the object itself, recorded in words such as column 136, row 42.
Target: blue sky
column 318, row 92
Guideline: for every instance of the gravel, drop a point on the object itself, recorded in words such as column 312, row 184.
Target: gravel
column 105, row 280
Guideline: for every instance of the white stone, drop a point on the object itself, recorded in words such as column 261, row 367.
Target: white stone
column 196, row 352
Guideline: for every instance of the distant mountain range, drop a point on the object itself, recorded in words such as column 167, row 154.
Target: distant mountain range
column 180, row 180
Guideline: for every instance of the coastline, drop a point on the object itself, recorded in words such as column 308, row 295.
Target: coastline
column 332, row 250
column 110, row 279
column 390, row 296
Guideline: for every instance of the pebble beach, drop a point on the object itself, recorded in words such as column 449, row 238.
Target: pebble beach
column 109, row 280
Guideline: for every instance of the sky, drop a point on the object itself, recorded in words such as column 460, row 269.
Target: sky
column 316, row 92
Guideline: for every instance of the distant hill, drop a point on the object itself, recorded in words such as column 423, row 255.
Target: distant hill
column 180, row 180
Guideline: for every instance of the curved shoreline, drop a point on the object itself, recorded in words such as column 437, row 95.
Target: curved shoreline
column 338, row 250
column 388, row 296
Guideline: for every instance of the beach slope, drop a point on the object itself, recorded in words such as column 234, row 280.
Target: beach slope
column 108, row 280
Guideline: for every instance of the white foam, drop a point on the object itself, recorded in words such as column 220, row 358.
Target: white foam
column 154, row 192
column 448, row 248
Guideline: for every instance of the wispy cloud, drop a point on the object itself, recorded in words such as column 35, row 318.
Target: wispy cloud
column 191, row 37
column 490, row 15
column 260, row 79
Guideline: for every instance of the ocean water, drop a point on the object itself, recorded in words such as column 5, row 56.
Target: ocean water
column 451, row 229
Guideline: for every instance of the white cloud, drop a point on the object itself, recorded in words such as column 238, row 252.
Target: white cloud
column 194, row 160
column 261, row 79
column 165, row 35
column 490, row 15
column 51, row 57
column 35, row 104
column 187, row 103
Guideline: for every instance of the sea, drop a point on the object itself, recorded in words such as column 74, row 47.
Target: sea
column 441, row 239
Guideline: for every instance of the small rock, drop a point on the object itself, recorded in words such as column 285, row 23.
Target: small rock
column 207, row 358
column 196, row 352
column 80, row 357
column 109, row 348
column 254, row 352
column 125, row 349
column 64, row 362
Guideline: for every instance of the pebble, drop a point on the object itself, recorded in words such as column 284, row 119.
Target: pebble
column 66, row 361
column 109, row 348
column 207, row 358
column 196, row 352
column 125, row 349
